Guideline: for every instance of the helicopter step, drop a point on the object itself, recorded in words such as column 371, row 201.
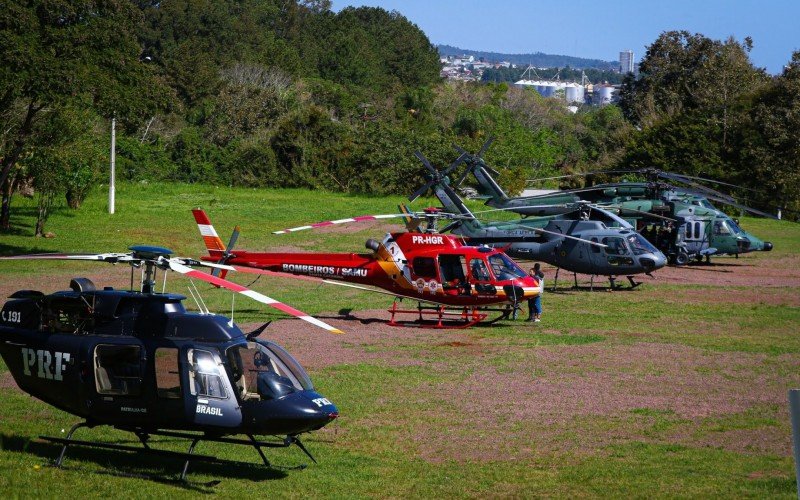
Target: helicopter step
column 188, row 457
column 443, row 317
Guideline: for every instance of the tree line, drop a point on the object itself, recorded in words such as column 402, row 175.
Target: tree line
column 288, row 93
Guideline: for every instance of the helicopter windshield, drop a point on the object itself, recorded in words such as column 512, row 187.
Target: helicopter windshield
column 263, row 371
column 707, row 204
column 504, row 268
column 640, row 245
column 726, row 226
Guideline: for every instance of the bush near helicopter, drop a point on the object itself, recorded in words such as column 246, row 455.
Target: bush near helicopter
column 456, row 284
column 697, row 229
column 579, row 239
column 138, row 361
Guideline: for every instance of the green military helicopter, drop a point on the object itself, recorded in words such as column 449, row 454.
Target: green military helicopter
column 680, row 221
column 580, row 238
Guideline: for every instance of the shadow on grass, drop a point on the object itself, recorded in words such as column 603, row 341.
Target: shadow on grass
column 7, row 250
column 158, row 469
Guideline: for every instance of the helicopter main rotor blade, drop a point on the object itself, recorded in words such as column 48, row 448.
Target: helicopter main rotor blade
column 643, row 212
column 452, row 166
column 99, row 257
column 178, row 266
column 365, row 218
column 699, row 187
column 743, row 207
column 583, row 174
column 572, row 208
column 485, row 146
column 561, row 235
column 361, row 218
column 721, row 183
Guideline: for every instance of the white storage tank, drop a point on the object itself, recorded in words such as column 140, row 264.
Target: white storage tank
column 574, row 93
column 603, row 94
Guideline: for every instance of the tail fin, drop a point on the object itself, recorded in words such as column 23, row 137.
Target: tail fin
column 212, row 240
column 489, row 186
column 450, row 200
column 412, row 223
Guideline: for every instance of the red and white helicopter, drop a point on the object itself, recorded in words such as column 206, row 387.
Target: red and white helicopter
column 455, row 284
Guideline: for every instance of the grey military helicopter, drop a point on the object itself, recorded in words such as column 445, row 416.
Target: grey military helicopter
column 578, row 240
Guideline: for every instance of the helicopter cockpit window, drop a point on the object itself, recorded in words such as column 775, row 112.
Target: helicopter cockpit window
column 478, row 270
column 640, row 245
column 118, row 369
column 424, row 267
column 265, row 371
column 724, row 227
column 706, row 204
column 204, row 377
column 504, row 268
column 615, row 245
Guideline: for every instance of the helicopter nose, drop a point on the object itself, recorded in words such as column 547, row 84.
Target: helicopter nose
column 319, row 411
column 767, row 246
column 743, row 244
column 653, row 261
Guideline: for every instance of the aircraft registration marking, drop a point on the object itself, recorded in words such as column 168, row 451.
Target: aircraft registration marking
column 11, row 316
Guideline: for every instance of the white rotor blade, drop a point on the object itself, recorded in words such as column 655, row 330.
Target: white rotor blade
column 178, row 267
column 65, row 256
column 326, row 223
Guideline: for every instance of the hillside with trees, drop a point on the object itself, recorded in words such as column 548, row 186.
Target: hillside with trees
column 288, row 93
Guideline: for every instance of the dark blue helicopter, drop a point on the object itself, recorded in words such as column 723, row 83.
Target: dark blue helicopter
column 138, row 361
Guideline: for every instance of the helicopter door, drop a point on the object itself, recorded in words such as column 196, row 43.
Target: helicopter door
column 480, row 279
column 210, row 396
column 695, row 236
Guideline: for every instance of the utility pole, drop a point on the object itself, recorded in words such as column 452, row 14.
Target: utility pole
column 111, row 184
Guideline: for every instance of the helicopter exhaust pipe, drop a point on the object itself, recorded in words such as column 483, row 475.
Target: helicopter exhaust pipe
column 372, row 244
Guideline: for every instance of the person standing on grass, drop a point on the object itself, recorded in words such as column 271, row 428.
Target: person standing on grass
column 535, row 304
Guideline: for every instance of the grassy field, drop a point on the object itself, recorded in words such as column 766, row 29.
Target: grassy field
column 675, row 389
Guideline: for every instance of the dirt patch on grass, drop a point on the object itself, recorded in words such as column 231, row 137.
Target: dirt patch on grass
column 7, row 381
column 758, row 270
column 564, row 399
column 773, row 296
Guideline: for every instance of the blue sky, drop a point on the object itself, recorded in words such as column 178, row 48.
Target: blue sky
column 600, row 29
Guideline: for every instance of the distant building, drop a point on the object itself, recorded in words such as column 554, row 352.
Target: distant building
column 626, row 62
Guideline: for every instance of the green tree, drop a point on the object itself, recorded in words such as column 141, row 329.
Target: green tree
column 768, row 143
column 55, row 54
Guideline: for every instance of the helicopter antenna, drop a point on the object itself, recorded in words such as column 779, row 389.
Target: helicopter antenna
column 200, row 296
column 191, row 292
column 198, row 299
column 164, row 284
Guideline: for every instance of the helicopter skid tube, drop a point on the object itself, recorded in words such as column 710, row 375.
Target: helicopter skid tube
column 144, row 435
column 444, row 317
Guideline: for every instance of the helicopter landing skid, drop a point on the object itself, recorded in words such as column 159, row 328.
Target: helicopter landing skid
column 444, row 317
column 144, row 436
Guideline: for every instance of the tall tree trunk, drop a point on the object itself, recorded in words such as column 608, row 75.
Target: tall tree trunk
column 19, row 143
column 5, row 211
column 45, row 201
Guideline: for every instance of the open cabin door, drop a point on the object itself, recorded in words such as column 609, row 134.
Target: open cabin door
column 210, row 399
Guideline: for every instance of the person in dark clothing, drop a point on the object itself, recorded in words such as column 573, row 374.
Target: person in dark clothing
column 535, row 304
